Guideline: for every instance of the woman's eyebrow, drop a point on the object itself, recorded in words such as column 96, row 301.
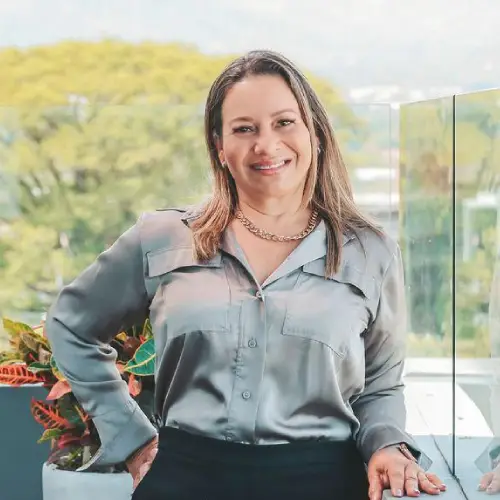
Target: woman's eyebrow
column 249, row 119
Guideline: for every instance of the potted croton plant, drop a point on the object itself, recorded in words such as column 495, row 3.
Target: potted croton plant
column 73, row 437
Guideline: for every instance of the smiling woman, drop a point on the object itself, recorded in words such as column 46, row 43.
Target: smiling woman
column 278, row 315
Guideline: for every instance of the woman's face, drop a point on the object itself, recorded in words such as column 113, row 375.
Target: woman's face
column 265, row 144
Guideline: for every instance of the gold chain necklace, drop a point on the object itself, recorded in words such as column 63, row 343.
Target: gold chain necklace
column 265, row 235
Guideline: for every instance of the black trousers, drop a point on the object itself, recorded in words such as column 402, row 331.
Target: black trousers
column 189, row 467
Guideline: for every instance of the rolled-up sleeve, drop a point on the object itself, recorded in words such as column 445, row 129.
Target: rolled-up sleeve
column 381, row 407
column 108, row 297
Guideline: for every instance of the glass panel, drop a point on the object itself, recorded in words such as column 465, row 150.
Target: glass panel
column 477, row 285
column 370, row 149
column 426, row 142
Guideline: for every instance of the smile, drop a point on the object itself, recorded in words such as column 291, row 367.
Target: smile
column 270, row 167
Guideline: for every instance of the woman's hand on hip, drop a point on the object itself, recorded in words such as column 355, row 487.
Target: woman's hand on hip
column 140, row 462
column 390, row 468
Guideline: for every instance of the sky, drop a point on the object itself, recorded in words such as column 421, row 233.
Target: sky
column 354, row 42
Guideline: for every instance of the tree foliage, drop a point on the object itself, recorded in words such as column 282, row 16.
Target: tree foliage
column 450, row 189
column 92, row 134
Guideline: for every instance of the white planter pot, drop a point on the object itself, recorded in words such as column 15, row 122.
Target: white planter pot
column 63, row 485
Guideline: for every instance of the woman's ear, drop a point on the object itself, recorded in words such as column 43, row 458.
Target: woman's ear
column 220, row 151
column 222, row 157
column 318, row 145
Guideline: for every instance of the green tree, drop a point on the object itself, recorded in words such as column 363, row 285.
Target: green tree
column 434, row 136
column 92, row 134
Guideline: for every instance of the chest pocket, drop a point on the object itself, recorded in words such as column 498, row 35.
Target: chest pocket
column 191, row 296
column 332, row 311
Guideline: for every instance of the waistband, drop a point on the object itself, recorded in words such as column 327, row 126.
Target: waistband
column 301, row 452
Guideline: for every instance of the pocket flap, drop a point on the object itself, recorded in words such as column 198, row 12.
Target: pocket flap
column 166, row 260
column 348, row 274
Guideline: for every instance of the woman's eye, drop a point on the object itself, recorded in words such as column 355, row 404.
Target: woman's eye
column 242, row 130
column 285, row 123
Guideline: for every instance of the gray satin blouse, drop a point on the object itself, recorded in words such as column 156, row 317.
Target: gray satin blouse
column 301, row 357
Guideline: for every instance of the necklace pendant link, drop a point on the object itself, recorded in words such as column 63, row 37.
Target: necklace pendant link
column 266, row 235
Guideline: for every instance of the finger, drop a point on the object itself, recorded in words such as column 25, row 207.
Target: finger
column 144, row 469
column 385, row 480
column 434, row 479
column 376, row 487
column 397, row 478
column 411, row 480
column 494, row 486
column 485, row 481
column 152, row 454
column 426, row 485
column 140, row 467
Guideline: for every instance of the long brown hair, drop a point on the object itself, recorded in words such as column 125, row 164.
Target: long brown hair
column 327, row 189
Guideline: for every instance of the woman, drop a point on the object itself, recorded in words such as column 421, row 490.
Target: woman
column 278, row 315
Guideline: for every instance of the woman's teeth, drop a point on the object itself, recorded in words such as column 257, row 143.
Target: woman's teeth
column 270, row 167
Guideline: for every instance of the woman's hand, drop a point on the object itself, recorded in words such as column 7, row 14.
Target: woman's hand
column 140, row 462
column 390, row 468
column 490, row 482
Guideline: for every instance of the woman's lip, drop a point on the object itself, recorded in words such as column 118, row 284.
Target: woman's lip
column 270, row 166
column 271, row 171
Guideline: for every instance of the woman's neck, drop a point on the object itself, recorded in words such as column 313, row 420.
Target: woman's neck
column 276, row 213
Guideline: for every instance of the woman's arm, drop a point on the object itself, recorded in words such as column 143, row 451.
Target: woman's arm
column 381, row 408
column 109, row 296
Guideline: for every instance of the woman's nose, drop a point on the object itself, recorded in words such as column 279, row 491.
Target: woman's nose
column 266, row 142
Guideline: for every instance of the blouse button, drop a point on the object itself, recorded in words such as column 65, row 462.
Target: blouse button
column 246, row 394
column 252, row 343
column 258, row 294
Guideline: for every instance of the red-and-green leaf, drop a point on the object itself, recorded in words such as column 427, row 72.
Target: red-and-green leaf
column 44, row 355
column 31, row 340
column 15, row 328
column 38, row 367
column 55, row 370
column 49, row 434
column 18, row 374
column 84, row 417
column 67, row 439
column 143, row 362
column 10, row 357
column 60, row 388
column 72, row 412
column 122, row 337
column 48, row 416
column 147, row 330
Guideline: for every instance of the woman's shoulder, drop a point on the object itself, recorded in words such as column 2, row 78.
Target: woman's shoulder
column 376, row 248
column 166, row 228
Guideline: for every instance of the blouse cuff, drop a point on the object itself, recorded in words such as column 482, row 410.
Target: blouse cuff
column 122, row 433
column 384, row 436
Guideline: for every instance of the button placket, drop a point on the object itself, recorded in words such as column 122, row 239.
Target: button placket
column 250, row 365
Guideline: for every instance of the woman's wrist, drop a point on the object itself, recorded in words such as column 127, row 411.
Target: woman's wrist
column 403, row 448
column 141, row 451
